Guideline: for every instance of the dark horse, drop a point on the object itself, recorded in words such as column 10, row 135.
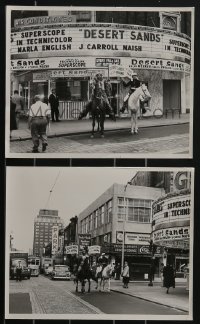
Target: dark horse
column 83, row 274
column 98, row 108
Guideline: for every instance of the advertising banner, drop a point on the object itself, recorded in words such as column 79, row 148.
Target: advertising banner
column 84, row 240
column 94, row 249
column 71, row 249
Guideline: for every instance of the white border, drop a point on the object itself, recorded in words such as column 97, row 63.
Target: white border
column 102, row 316
column 8, row 154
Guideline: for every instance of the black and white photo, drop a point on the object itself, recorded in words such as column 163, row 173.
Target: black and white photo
column 117, row 82
column 99, row 243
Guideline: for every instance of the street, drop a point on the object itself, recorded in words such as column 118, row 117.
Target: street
column 163, row 139
column 59, row 297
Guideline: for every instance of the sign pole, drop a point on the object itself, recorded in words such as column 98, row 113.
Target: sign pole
column 123, row 232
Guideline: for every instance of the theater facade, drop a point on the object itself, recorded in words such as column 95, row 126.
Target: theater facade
column 64, row 52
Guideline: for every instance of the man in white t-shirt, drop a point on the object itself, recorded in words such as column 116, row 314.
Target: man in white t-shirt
column 39, row 116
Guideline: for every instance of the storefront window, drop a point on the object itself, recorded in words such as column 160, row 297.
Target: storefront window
column 75, row 90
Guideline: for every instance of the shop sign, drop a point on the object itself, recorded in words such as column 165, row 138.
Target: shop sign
column 94, row 249
column 91, row 39
column 44, row 20
column 84, row 240
column 171, row 234
column 107, row 61
column 133, row 238
column 71, row 249
column 46, row 75
column 54, row 240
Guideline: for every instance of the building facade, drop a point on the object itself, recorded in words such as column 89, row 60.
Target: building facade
column 119, row 211
column 43, row 229
column 66, row 50
column 171, row 215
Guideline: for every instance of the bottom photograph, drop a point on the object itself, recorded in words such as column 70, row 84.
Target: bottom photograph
column 99, row 243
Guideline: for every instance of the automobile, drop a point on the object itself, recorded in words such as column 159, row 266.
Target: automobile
column 61, row 272
column 48, row 270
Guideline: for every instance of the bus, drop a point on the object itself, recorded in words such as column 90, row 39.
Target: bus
column 34, row 265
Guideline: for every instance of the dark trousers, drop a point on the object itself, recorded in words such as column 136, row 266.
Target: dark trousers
column 54, row 113
column 18, row 274
column 38, row 131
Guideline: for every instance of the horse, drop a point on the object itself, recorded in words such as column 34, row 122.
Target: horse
column 142, row 94
column 98, row 109
column 83, row 274
column 105, row 276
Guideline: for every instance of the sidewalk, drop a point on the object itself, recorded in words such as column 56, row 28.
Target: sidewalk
column 75, row 127
column 178, row 298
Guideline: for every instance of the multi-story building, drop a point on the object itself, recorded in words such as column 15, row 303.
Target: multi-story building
column 121, row 210
column 43, row 225
column 64, row 50
column 171, row 214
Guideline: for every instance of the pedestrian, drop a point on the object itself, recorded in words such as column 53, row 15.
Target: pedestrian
column 133, row 84
column 13, row 121
column 19, row 272
column 125, row 275
column 39, row 116
column 169, row 277
column 18, row 100
column 117, row 271
column 161, row 274
column 54, row 104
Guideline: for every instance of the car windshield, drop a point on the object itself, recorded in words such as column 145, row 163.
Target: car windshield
column 61, row 268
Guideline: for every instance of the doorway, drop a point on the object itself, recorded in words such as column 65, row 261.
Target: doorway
column 171, row 95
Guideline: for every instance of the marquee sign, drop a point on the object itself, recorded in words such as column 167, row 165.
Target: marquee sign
column 117, row 67
column 95, row 39
column 171, row 234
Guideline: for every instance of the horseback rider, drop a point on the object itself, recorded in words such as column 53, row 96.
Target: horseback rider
column 99, row 89
column 134, row 84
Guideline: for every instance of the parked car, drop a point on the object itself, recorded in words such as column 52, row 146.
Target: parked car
column 48, row 271
column 61, row 272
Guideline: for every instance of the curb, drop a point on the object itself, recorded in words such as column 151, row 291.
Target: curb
column 20, row 139
column 151, row 301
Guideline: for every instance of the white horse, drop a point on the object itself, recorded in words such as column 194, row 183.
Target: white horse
column 106, row 276
column 142, row 94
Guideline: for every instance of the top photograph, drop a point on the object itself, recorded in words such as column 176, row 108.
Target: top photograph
column 99, row 82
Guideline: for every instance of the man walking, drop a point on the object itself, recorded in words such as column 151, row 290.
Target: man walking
column 39, row 116
column 19, row 272
column 54, row 103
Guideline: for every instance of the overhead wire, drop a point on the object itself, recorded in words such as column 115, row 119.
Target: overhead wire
column 50, row 192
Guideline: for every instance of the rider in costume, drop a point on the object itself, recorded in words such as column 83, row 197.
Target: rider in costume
column 99, row 88
column 134, row 83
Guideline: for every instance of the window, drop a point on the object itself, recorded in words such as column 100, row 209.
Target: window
column 139, row 210
column 108, row 211
column 90, row 222
column 120, row 200
column 96, row 218
column 101, row 212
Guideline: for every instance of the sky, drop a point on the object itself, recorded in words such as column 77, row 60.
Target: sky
column 73, row 189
